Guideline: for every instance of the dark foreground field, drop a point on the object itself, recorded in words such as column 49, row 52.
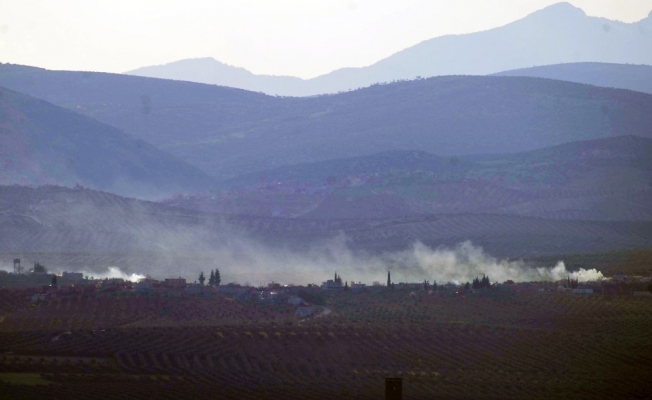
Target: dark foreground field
column 508, row 342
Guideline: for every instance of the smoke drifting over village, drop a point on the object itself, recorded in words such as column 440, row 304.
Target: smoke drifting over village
column 248, row 262
column 112, row 273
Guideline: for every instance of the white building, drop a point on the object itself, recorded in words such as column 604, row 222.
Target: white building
column 332, row 285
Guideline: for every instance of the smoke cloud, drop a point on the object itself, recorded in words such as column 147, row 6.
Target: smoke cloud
column 258, row 264
column 112, row 273
column 116, row 237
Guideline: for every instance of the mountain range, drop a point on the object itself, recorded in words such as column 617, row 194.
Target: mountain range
column 560, row 33
column 229, row 132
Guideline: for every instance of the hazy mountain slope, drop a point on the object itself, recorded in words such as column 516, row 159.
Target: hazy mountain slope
column 560, row 33
column 230, row 132
column 329, row 172
column 605, row 179
column 620, row 76
column 42, row 143
column 130, row 102
column 85, row 226
column 210, row 71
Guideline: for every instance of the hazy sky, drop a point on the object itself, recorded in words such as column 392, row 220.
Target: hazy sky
column 303, row 38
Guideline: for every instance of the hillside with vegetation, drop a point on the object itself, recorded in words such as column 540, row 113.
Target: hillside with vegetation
column 41, row 143
column 603, row 179
column 230, row 132
column 84, row 229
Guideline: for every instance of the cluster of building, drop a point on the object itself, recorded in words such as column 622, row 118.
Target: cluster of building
column 275, row 293
column 171, row 285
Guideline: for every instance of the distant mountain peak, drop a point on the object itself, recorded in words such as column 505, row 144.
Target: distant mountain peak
column 561, row 9
column 199, row 62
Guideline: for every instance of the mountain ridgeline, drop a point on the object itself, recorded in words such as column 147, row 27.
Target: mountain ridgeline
column 619, row 76
column 230, row 132
column 560, row 33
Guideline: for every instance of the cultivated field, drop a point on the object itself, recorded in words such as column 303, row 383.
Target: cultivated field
column 508, row 342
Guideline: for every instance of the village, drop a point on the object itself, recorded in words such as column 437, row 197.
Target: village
column 41, row 286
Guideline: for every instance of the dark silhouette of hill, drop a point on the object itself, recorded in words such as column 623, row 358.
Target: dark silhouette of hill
column 42, row 143
column 560, row 33
column 620, row 76
column 230, row 132
column 86, row 228
column 604, row 179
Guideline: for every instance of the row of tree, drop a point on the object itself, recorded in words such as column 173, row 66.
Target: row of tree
column 213, row 280
column 478, row 283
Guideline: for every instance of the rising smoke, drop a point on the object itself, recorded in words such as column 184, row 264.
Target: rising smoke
column 247, row 261
column 126, row 238
column 113, row 273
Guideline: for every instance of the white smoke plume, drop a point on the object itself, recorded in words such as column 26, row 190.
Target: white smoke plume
column 245, row 260
column 463, row 263
column 113, row 272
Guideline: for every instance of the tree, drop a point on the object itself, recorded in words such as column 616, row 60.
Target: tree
column 389, row 279
column 40, row 268
column 346, row 285
column 425, row 285
column 467, row 286
column 202, row 278
column 217, row 280
column 54, row 281
column 476, row 283
column 481, row 283
column 434, row 285
column 211, row 279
